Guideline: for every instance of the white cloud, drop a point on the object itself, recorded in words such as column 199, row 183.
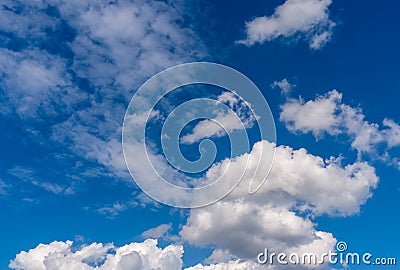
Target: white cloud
column 113, row 210
column 32, row 24
column 146, row 255
column 232, row 265
column 219, row 126
column 365, row 136
column 160, row 231
column 284, row 85
column 220, row 256
column 121, row 44
column 300, row 186
column 37, row 84
column 28, row 175
column 81, row 91
column 117, row 56
column 308, row 18
column 237, row 118
column 319, row 40
column 327, row 114
column 316, row 116
column 114, row 61
column 299, row 182
column 64, row 256
column 392, row 133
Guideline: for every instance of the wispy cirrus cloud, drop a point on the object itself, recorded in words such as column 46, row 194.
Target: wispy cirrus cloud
column 69, row 69
column 111, row 211
column 114, row 209
column 161, row 231
column 3, row 188
column 28, row 175
column 37, row 86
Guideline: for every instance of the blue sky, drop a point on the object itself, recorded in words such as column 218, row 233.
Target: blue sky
column 328, row 69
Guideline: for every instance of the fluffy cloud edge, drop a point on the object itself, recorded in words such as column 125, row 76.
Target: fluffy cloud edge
column 327, row 114
column 306, row 18
column 60, row 255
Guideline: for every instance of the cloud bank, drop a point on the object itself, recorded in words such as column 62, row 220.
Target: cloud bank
column 64, row 256
column 300, row 186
